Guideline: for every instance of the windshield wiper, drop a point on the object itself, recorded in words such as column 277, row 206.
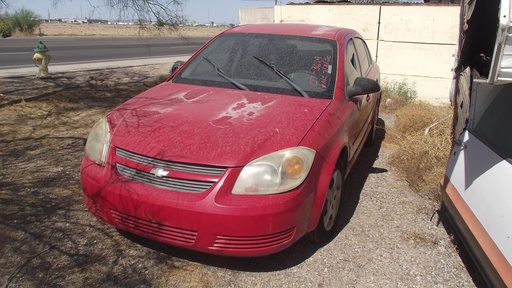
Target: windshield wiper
column 284, row 77
column 223, row 75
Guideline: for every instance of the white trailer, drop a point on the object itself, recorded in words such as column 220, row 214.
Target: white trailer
column 477, row 187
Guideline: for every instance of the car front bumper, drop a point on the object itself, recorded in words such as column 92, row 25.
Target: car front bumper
column 214, row 221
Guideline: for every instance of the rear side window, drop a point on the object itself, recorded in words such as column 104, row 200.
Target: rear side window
column 352, row 68
column 365, row 57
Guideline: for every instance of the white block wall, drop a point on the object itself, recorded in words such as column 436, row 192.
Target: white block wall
column 414, row 43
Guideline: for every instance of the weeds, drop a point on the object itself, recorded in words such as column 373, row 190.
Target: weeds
column 22, row 20
column 420, row 138
column 398, row 93
column 6, row 27
column 160, row 23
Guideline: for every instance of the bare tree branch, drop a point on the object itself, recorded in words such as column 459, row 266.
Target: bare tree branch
column 3, row 4
column 168, row 11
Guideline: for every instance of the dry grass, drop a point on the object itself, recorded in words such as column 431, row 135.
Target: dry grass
column 421, row 142
column 68, row 29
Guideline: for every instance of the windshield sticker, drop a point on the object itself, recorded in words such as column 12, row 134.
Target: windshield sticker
column 321, row 71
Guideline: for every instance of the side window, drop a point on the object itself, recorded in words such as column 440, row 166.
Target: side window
column 352, row 68
column 364, row 55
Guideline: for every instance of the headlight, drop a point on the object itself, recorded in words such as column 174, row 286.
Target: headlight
column 275, row 173
column 98, row 142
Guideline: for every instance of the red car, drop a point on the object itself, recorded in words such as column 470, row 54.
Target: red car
column 245, row 148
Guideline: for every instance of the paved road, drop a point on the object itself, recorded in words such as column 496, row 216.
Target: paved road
column 72, row 53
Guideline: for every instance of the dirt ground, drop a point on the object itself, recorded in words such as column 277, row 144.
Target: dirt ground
column 68, row 29
column 389, row 236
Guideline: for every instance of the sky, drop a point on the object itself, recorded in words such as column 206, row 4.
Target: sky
column 200, row 11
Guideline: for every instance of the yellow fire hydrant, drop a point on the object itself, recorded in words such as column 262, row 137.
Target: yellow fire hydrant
column 42, row 60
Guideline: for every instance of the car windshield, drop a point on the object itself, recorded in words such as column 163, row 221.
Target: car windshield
column 282, row 64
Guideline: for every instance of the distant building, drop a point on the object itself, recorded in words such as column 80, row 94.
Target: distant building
column 97, row 21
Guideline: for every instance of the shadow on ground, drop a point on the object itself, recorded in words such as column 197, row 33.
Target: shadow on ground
column 47, row 237
column 464, row 253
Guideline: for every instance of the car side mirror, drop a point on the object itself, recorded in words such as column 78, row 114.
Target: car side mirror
column 176, row 66
column 362, row 86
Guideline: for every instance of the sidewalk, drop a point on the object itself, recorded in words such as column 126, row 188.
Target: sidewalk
column 27, row 71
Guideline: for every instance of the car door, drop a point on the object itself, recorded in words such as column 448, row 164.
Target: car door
column 352, row 71
column 369, row 101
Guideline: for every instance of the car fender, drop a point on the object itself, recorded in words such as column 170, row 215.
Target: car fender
column 324, row 180
column 335, row 149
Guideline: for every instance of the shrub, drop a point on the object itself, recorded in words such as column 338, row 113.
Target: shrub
column 421, row 145
column 160, row 23
column 6, row 27
column 24, row 20
column 420, row 137
column 398, row 93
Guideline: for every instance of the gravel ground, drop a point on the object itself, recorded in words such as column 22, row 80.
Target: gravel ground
column 389, row 236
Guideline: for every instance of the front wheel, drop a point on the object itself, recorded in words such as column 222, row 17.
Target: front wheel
column 330, row 212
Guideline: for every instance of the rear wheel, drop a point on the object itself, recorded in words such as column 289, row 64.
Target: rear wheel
column 330, row 212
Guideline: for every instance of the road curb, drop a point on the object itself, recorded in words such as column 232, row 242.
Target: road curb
column 27, row 71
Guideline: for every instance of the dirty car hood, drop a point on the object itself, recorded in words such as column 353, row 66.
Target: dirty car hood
column 212, row 126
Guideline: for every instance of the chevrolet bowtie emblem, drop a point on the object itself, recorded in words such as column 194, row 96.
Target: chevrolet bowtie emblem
column 159, row 172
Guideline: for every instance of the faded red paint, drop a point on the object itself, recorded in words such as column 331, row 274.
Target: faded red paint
column 235, row 126
column 228, row 128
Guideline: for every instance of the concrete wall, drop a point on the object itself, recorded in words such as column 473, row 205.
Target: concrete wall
column 414, row 43
column 257, row 15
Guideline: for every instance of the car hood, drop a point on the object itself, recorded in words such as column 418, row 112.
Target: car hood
column 211, row 126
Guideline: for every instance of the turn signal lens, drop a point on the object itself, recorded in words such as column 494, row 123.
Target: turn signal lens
column 294, row 166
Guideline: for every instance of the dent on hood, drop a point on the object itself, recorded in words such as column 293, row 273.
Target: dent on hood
column 242, row 110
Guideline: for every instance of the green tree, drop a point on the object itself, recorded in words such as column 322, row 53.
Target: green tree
column 24, row 20
column 6, row 27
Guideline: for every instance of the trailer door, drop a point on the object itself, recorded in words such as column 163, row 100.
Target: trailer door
column 478, row 183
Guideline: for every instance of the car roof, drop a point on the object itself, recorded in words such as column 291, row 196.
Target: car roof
column 322, row 31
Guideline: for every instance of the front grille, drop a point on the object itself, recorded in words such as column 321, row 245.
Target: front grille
column 198, row 169
column 163, row 182
column 168, row 182
column 154, row 230
column 252, row 242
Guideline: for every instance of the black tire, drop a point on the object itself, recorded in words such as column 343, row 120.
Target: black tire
column 329, row 219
